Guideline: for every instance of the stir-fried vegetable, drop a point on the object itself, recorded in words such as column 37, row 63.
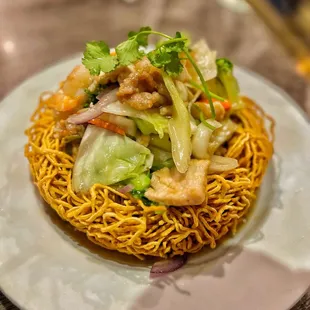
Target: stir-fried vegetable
column 141, row 182
column 217, row 89
column 205, row 59
column 162, row 137
column 200, row 140
column 92, row 96
column 107, row 158
column 145, row 127
column 179, row 128
column 139, row 194
column 182, row 90
column 163, row 267
column 143, row 139
column 97, row 57
column 128, row 125
column 106, row 125
column 163, row 143
column 225, row 74
column 94, row 111
column 220, row 164
column 159, row 122
column 210, row 84
column 222, row 135
column 225, row 103
column 161, row 158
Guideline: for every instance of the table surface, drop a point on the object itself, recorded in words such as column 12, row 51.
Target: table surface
column 35, row 34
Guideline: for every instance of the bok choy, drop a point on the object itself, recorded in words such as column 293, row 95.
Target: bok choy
column 159, row 122
column 161, row 158
column 225, row 75
column 179, row 128
column 221, row 135
column 200, row 141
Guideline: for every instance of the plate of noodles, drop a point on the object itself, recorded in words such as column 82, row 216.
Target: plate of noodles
column 153, row 178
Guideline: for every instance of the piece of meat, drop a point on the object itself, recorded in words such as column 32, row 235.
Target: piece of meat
column 64, row 129
column 144, row 88
column 117, row 75
column 170, row 187
column 145, row 100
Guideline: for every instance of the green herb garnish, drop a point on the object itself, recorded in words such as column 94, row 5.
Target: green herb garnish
column 92, row 95
column 97, row 57
column 140, row 195
column 196, row 85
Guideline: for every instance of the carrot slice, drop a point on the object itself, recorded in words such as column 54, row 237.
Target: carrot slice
column 226, row 104
column 106, row 125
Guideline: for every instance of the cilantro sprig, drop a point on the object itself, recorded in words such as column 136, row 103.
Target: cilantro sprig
column 97, row 58
column 166, row 56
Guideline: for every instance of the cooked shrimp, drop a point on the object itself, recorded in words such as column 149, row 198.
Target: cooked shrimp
column 70, row 95
column 76, row 82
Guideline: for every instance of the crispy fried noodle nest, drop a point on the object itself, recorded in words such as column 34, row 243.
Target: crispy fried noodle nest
column 113, row 221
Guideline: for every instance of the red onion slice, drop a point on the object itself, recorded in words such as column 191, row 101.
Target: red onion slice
column 94, row 111
column 126, row 189
column 104, row 92
column 168, row 265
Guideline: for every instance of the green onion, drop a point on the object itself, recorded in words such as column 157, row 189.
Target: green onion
column 196, row 85
column 202, row 118
column 203, row 82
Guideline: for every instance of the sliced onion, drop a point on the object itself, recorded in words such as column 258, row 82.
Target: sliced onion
column 168, row 265
column 205, row 59
column 200, row 142
column 126, row 189
column 123, row 122
column 222, row 135
column 105, row 91
column 201, row 138
column 159, row 122
column 95, row 110
column 193, row 125
column 189, row 108
column 182, row 89
column 221, row 164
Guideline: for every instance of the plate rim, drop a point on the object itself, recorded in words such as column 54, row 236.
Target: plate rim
column 257, row 76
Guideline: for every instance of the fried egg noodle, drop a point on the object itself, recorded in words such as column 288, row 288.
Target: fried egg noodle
column 113, row 221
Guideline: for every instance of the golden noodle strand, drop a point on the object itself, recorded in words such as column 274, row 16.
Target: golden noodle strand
column 110, row 219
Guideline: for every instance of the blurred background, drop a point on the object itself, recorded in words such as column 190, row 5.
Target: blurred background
column 35, row 34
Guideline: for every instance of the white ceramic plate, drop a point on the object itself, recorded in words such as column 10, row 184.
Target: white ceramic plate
column 44, row 264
